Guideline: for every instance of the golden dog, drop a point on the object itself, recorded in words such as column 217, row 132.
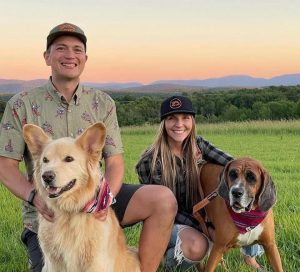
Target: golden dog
column 242, row 215
column 67, row 175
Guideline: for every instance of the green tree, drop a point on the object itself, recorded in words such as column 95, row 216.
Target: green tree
column 297, row 110
column 261, row 111
column 232, row 113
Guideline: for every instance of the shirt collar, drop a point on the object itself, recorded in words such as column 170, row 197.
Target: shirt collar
column 53, row 92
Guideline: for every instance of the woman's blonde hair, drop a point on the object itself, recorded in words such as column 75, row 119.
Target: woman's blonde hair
column 162, row 151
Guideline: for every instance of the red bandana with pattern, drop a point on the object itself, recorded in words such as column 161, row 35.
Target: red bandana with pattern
column 102, row 199
column 247, row 221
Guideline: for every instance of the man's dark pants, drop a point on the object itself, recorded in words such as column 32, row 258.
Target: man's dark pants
column 35, row 256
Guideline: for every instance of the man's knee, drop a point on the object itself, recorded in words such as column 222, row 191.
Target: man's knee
column 165, row 201
column 35, row 256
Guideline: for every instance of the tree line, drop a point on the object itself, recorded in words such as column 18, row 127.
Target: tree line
column 270, row 103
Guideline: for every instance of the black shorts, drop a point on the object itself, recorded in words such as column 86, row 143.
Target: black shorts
column 123, row 197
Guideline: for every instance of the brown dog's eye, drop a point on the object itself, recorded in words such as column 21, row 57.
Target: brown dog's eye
column 69, row 159
column 250, row 177
column 233, row 174
column 45, row 160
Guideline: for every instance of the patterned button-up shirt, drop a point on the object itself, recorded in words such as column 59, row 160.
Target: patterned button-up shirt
column 46, row 107
column 209, row 153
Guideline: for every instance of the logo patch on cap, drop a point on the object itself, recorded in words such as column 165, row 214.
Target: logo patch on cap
column 67, row 27
column 175, row 103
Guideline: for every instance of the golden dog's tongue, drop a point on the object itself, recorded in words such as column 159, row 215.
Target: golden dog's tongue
column 53, row 190
column 57, row 191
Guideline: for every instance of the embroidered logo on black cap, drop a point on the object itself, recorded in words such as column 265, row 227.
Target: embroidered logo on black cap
column 175, row 103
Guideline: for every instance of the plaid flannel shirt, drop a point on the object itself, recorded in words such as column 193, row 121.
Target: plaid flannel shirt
column 209, row 153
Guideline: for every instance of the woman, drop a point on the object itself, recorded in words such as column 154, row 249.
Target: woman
column 172, row 160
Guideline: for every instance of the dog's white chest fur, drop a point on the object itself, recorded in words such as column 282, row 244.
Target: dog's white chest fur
column 250, row 236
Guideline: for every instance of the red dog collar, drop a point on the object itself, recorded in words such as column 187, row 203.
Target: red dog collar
column 102, row 199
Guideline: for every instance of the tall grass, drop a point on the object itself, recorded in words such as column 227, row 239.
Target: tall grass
column 275, row 144
column 248, row 127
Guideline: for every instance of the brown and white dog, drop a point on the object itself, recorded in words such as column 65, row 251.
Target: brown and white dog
column 67, row 176
column 243, row 214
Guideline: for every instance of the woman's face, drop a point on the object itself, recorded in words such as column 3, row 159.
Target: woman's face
column 178, row 126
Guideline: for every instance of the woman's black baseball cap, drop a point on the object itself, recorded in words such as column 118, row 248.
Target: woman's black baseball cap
column 176, row 104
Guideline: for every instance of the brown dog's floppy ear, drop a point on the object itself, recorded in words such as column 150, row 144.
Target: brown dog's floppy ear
column 35, row 138
column 92, row 140
column 223, row 189
column 267, row 196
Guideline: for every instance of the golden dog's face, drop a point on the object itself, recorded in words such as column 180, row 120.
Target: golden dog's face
column 63, row 167
column 246, row 185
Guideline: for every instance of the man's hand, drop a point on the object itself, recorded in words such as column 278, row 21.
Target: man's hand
column 101, row 215
column 43, row 209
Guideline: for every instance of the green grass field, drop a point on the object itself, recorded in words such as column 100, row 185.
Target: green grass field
column 275, row 144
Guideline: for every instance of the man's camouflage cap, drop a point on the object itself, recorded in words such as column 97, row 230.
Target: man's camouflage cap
column 66, row 29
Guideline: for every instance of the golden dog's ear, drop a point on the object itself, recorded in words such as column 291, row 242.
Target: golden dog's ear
column 267, row 195
column 223, row 189
column 35, row 138
column 92, row 140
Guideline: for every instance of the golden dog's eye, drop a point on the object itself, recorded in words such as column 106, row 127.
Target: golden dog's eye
column 69, row 159
column 250, row 177
column 233, row 174
column 45, row 160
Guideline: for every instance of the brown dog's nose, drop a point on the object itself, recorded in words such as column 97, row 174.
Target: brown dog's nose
column 237, row 192
column 48, row 177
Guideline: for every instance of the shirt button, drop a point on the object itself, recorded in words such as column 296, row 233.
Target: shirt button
column 69, row 110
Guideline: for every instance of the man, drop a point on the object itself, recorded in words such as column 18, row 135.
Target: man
column 63, row 107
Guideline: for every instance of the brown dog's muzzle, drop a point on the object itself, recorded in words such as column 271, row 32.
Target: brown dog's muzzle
column 245, row 184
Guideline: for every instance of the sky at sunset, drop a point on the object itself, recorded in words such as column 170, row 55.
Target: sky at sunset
column 144, row 41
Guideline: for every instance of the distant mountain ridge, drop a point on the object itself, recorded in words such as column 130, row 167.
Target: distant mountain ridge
column 234, row 81
column 238, row 81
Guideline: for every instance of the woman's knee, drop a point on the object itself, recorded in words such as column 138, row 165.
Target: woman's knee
column 194, row 247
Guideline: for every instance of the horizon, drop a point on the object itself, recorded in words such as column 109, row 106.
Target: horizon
column 158, row 80
column 141, row 41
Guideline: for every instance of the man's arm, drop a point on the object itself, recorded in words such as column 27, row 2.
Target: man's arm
column 114, row 172
column 13, row 179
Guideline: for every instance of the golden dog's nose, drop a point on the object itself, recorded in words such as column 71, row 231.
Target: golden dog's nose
column 48, row 177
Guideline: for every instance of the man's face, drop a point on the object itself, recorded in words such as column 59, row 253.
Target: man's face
column 67, row 58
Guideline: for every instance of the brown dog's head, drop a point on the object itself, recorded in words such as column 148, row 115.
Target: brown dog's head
column 67, row 170
column 245, row 185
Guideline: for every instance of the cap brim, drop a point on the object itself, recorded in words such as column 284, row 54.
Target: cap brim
column 52, row 37
column 177, row 111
